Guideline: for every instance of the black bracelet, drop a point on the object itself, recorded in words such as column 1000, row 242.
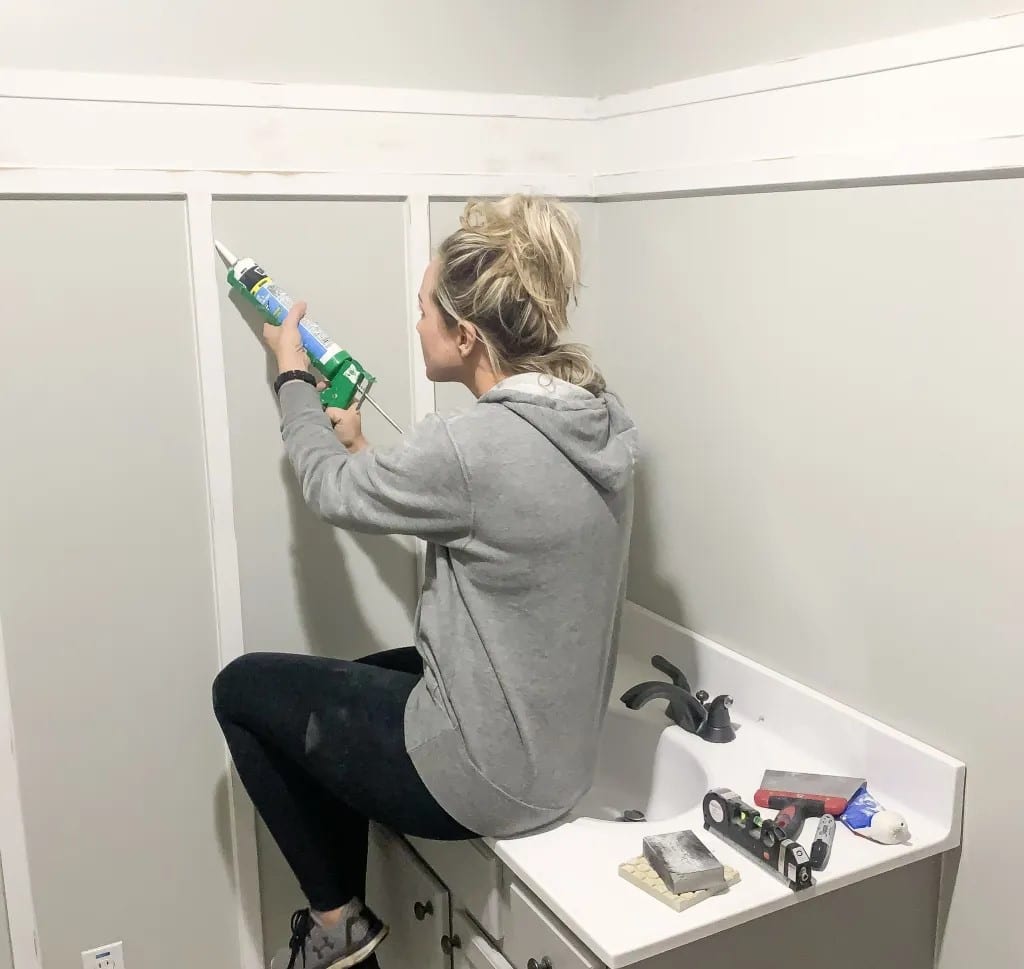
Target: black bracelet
column 293, row 375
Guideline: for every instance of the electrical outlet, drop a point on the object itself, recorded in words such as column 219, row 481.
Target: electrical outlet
column 105, row 957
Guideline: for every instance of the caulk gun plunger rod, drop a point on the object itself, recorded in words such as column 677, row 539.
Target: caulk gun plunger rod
column 380, row 410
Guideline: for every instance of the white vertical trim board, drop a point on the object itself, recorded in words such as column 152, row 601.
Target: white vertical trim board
column 21, row 913
column 223, row 549
column 417, row 255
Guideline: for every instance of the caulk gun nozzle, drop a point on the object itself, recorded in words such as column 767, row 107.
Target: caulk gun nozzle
column 225, row 253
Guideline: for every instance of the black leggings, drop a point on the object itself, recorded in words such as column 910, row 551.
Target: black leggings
column 320, row 747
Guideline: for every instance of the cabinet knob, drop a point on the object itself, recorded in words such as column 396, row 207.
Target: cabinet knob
column 450, row 942
column 544, row 963
column 422, row 909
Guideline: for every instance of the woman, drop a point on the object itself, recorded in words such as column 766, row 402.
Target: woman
column 489, row 726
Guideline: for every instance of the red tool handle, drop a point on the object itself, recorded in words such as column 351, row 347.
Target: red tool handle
column 791, row 820
column 832, row 805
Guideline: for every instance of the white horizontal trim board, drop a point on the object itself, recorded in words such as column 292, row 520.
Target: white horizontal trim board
column 116, row 134
column 149, row 89
column 991, row 158
column 930, row 106
column 943, row 93
column 383, row 185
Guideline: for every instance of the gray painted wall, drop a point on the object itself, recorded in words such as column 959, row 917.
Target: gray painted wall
column 528, row 47
column 558, row 47
column 828, row 389
column 444, row 219
column 106, row 585
column 307, row 587
column 639, row 43
column 6, row 958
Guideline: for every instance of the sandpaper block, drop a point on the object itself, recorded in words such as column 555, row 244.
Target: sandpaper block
column 638, row 872
column 683, row 862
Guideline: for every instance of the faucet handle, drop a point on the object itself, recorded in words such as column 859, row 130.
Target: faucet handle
column 673, row 672
column 718, row 727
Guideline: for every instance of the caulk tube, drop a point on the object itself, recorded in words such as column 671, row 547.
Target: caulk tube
column 346, row 378
column 247, row 275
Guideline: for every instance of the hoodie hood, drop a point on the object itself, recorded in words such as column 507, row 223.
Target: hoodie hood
column 593, row 431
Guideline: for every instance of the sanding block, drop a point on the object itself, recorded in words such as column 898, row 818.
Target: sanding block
column 638, row 872
column 683, row 862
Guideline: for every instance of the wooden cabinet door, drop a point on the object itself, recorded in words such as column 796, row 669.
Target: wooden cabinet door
column 411, row 901
column 470, row 947
column 534, row 939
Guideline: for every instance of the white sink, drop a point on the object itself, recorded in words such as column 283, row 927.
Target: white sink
column 643, row 764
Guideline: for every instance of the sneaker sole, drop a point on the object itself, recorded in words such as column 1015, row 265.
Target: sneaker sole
column 360, row 954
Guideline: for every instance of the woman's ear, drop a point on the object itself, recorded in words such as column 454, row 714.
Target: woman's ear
column 467, row 338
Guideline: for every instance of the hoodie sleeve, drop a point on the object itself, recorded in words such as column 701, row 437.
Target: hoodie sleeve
column 416, row 488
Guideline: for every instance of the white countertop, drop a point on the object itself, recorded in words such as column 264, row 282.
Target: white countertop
column 573, row 867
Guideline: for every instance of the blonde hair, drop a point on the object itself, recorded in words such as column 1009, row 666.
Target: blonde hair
column 510, row 269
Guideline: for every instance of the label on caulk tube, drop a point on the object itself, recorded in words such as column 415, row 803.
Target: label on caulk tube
column 277, row 303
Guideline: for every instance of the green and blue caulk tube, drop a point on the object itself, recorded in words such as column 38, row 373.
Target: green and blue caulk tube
column 348, row 381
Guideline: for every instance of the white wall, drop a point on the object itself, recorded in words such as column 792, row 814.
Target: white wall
column 640, row 43
column 528, row 47
column 827, row 385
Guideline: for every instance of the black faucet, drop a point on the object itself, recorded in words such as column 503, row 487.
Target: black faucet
column 692, row 712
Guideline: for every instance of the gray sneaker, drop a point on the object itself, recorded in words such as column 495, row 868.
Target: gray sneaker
column 351, row 941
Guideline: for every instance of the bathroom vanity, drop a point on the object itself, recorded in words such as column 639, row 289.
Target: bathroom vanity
column 554, row 899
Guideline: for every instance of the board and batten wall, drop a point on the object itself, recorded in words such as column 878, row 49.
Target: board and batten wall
column 307, row 587
column 106, row 587
column 828, row 389
column 717, row 579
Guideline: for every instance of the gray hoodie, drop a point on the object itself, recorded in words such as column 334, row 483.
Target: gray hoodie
column 526, row 505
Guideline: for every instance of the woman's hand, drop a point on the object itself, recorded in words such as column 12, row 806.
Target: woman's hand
column 285, row 342
column 348, row 427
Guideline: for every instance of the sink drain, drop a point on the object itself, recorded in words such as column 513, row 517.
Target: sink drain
column 632, row 815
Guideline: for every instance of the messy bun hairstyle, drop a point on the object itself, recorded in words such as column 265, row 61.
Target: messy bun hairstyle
column 510, row 269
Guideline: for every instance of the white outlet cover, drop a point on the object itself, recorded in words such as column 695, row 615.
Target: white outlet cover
column 105, row 957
